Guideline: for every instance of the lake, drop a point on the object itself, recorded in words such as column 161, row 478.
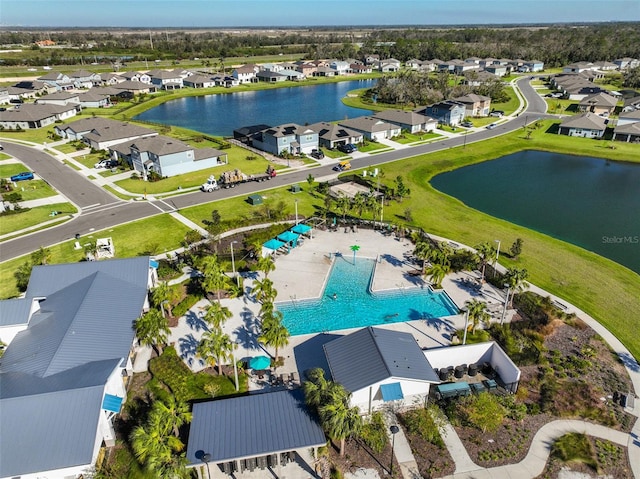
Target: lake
column 586, row 201
column 221, row 114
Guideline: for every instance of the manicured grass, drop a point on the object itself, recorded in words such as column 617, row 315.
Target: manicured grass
column 10, row 169
column 372, row 146
column 406, row 138
column 90, row 159
column 4, row 156
column 509, row 106
column 66, row 148
column 156, row 235
column 33, row 217
column 39, row 135
column 34, row 190
column 561, row 107
column 335, row 153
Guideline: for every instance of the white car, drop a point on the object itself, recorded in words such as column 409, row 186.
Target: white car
column 491, row 126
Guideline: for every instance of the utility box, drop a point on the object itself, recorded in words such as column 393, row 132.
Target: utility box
column 255, row 200
column 295, row 189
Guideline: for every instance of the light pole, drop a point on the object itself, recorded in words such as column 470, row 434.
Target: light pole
column 506, row 300
column 233, row 264
column 466, row 325
column 235, row 366
column 382, row 211
column 206, row 457
column 495, row 266
column 394, row 430
column 296, row 202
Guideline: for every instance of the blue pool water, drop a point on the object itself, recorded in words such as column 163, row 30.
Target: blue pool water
column 355, row 306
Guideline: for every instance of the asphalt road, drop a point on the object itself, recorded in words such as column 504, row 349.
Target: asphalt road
column 101, row 210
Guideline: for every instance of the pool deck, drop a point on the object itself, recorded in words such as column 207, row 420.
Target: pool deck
column 302, row 273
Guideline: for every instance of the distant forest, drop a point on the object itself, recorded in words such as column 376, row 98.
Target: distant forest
column 555, row 45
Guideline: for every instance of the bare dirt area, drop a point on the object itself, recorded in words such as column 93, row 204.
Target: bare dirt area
column 358, row 456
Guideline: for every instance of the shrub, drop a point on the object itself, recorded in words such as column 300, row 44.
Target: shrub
column 426, row 423
column 183, row 306
column 575, row 447
column 483, row 411
column 374, row 433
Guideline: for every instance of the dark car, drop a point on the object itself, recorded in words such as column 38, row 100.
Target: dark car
column 317, row 154
column 466, row 124
column 25, row 175
column 348, row 148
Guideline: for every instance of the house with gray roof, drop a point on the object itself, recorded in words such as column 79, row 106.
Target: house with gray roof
column 170, row 157
column 199, row 81
column 379, row 366
column 629, row 132
column 245, row 73
column 85, row 79
column 110, row 132
column 475, row 105
column 587, row 125
column 59, row 81
column 600, row 103
column 447, row 112
column 62, row 373
column 59, row 98
column 627, row 117
column 270, row 76
column 94, row 99
column 166, row 80
column 331, row 135
column 272, row 431
column 371, row 127
column 33, row 116
column 134, row 87
column 408, row 120
column 290, row 138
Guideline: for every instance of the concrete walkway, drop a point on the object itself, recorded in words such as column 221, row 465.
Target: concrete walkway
column 536, row 460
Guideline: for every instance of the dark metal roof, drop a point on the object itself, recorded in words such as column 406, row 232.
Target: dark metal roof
column 14, row 311
column 371, row 355
column 250, row 426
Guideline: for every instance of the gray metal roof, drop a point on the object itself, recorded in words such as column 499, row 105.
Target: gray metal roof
column 14, row 311
column 48, row 431
column 88, row 320
column 371, row 355
column 161, row 145
column 253, row 425
column 367, row 123
column 586, row 121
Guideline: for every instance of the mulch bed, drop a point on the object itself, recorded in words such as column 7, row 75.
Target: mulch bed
column 357, row 455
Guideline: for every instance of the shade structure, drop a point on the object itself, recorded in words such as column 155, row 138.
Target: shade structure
column 260, row 362
column 301, row 229
column 288, row 237
column 273, row 244
column 391, row 392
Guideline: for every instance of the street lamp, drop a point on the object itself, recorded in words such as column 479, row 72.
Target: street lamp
column 235, row 366
column 296, row 202
column 506, row 300
column 466, row 325
column 205, row 457
column 233, row 264
column 382, row 211
column 394, row 430
column 497, row 253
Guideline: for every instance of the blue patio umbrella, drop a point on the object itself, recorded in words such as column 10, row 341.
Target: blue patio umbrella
column 301, row 229
column 260, row 362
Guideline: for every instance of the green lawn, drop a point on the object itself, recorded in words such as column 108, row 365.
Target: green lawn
column 4, row 156
column 66, row 148
column 90, row 159
column 372, row 146
column 564, row 107
column 156, row 235
column 509, row 106
column 34, row 190
column 335, row 153
column 33, row 217
column 10, row 169
column 406, row 137
column 39, row 135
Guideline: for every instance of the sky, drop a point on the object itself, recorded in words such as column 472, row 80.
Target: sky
column 263, row 13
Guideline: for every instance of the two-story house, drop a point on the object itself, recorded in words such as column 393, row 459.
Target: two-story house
column 245, row 73
column 447, row 112
column 372, row 128
column 408, row 120
column 290, row 138
column 475, row 105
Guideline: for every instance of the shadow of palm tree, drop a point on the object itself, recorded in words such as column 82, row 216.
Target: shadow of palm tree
column 392, row 260
column 196, row 322
column 188, row 346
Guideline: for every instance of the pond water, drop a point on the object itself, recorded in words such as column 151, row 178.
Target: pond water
column 220, row 114
column 589, row 202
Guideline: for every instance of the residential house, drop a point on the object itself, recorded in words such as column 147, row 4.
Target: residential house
column 360, row 68
column 270, row 76
column 271, row 67
column 587, row 125
column 166, row 80
column 94, row 99
column 170, row 157
column 136, row 76
column 477, row 78
column 408, row 120
column 324, row 72
column 535, row 65
column 290, row 138
column 59, row 98
column 380, row 367
column 627, row 117
column 245, row 133
column 331, row 135
column 606, row 66
column 182, row 73
column 56, row 80
column 65, row 368
column 601, row 104
column 372, row 128
column 629, row 132
column 226, row 81
column 626, row 63
column 199, row 81
column 284, row 435
column 497, row 70
column 341, row 67
column 414, row 64
column 134, row 87
column 77, row 129
column 108, row 79
column 485, row 62
column 371, row 59
column 389, row 65
column 474, row 60
column 36, row 86
column 18, row 95
column 447, row 112
column 475, row 105
column 307, row 69
column 631, row 104
column 110, row 132
column 85, row 79
column 292, row 75
column 245, row 74
column 458, row 66
column 33, row 116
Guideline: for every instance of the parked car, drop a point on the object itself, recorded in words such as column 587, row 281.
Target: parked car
column 25, row 175
column 491, row 126
column 317, row 154
column 497, row 113
column 348, row 148
column 106, row 164
column 466, row 124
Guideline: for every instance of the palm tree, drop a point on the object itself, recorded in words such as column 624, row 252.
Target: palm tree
column 359, row 203
column 152, row 329
column 486, row 252
column 266, row 265
column 315, row 387
column 515, row 279
column 264, row 290
column 339, row 420
column 213, row 278
column 437, row 273
column 215, row 347
column 274, row 333
column 175, row 413
column 374, row 206
column 217, row 315
column 343, row 203
column 477, row 313
column 162, row 295
column 424, row 250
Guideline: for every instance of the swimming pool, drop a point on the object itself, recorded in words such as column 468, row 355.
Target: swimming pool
column 355, row 306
